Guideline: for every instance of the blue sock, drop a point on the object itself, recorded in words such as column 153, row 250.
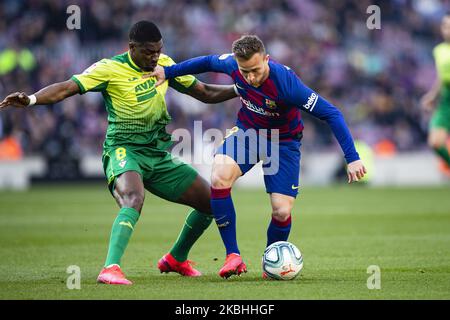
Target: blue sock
column 225, row 216
column 278, row 231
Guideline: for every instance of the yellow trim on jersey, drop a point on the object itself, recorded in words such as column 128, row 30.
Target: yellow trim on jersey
column 131, row 61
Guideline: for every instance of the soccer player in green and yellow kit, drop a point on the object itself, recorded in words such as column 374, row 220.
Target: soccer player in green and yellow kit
column 134, row 150
column 440, row 120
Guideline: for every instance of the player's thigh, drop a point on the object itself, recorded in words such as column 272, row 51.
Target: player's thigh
column 118, row 160
column 197, row 195
column 170, row 178
column 129, row 190
column 284, row 180
column 233, row 158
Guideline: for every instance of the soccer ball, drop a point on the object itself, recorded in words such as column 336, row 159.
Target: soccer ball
column 282, row 261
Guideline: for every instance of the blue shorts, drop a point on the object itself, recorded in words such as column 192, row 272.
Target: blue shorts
column 281, row 161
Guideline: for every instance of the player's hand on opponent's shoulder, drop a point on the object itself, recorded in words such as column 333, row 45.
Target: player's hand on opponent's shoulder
column 16, row 99
column 159, row 74
column 355, row 171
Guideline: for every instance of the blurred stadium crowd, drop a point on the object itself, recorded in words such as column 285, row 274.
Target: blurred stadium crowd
column 375, row 77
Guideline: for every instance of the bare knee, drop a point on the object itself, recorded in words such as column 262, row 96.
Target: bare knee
column 281, row 213
column 130, row 199
column 224, row 173
column 437, row 138
column 221, row 179
column 435, row 143
column 129, row 190
column 282, row 206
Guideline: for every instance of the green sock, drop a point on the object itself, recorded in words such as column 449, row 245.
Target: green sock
column 121, row 232
column 443, row 153
column 196, row 222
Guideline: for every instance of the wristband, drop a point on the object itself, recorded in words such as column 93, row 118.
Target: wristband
column 32, row 100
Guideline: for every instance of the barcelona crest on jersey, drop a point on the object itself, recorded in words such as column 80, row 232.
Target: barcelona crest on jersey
column 270, row 104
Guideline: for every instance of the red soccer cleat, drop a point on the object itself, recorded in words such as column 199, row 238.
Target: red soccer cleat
column 113, row 275
column 233, row 265
column 169, row 264
column 444, row 168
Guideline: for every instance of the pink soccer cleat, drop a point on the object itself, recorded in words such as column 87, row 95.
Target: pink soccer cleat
column 113, row 275
column 169, row 264
column 233, row 265
column 444, row 168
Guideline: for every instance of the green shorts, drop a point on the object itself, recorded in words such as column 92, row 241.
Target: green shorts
column 162, row 174
column 441, row 116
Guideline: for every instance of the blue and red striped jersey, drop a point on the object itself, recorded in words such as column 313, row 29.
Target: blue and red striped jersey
column 276, row 103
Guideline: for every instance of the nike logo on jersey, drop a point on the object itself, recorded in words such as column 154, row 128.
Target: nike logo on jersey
column 239, row 87
column 225, row 55
column 295, row 187
column 127, row 224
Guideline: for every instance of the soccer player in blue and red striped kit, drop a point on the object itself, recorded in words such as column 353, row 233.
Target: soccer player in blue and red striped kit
column 272, row 96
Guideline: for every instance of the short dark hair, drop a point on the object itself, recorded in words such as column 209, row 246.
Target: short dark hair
column 144, row 31
column 246, row 46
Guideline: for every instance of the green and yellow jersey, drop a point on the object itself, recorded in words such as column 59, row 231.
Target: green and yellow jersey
column 441, row 55
column 137, row 111
column 441, row 116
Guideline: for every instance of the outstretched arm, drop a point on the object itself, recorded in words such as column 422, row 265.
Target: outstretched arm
column 333, row 116
column 48, row 95
column 212, row 93
column 213, row 63
column 310, row 101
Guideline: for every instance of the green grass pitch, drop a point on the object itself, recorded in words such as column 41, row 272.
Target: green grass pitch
column 341, row 231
